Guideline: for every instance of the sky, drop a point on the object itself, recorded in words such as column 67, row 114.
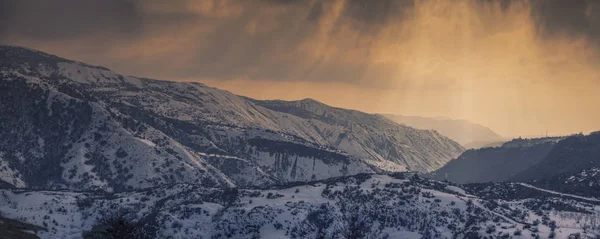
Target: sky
column 520, row 67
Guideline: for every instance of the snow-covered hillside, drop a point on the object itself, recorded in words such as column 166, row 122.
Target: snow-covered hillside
column 376, row 206
column 371, row 136
column 51, row 140
column 70, row 125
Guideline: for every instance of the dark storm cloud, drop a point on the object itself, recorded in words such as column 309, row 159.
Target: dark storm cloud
column 569, row 17
column 226, row 39
column 486, row 60
column 60, row 19
column 73, row 18
column 376, row 13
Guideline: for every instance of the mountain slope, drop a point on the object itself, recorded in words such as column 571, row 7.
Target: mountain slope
column 85, row 126
column 52, row 140
column 571, row 155
column 583, row 183
column 496, row 164
column 466, row 133
column 563, row 164
column 570, row 167
column 370, row 135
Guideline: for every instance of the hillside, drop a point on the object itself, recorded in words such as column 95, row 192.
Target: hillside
column 571, row 166
column 372, row 135
column 493, row 164
column 564, row 164
column 571, row 155
column 373, row 206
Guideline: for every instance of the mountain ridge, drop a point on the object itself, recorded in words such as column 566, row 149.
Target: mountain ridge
column 496, row 164
column 567, row 164
column 187, row 129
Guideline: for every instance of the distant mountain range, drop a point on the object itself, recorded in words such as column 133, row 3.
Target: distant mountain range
column 67, row 124
column 468, row 134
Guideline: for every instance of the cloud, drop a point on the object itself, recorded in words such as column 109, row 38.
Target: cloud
column 568, row 17
column 63, row 19
column 337, row 40
column 228, row 39
column 484, row 60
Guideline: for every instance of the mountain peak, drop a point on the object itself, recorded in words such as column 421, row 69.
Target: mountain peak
column 310, row 100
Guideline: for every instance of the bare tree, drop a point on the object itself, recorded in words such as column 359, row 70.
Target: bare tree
column 117, row 226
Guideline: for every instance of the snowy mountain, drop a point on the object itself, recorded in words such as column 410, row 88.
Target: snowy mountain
column 53, row 140
column 70, row 125
column 468, row 134
column 370, row 135
column 363, row 206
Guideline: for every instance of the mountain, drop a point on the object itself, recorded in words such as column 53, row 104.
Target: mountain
column 571, row 155
column 568, row 164
column 468, row 134
column 571, row 166
column 370, row 135
column 496, row 164
column 70, row 125
column 399, row 205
